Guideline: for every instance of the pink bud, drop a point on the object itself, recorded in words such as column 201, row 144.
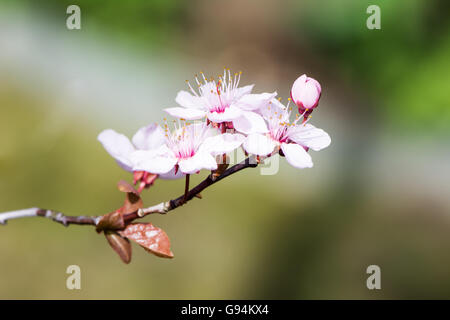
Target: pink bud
column 306, row 93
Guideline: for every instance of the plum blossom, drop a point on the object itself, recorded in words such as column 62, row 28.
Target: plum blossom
column 305, row 93
column 292, row 140
column 149, row 138
column 188, row 149
column 223, row 103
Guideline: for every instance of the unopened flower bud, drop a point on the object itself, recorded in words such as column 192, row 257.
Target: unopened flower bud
column 305, row 93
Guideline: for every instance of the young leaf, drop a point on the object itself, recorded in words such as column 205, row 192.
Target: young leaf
column 133, row 201
column 151, row 238
column 111, row 221
column 120, row 245
column 124, row 186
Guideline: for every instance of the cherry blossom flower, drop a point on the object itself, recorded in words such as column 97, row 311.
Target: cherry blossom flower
column 305, row 93
column 257, row 122
column 291, row 140
column 149, row 138
column 188, row 149
column 223, row 103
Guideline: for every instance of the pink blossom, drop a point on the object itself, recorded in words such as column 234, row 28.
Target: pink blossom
column 148, row 138
column 188, row 149
column 223, row 103
column 292, row 139
column 305, row 93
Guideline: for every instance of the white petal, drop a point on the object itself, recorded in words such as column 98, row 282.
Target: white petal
column 251, row 102
column 149, row 137
column 118, row 146
column 222, row 143
column 243, row 91
column 309, row 136
column 153, row 161
column 229, row 114
column 187, row 100
column 250, row 122
column 171, row 175
column 275, row 110
column 296, row 155
column 259, row 144
column 201, row 160
column 188, row 114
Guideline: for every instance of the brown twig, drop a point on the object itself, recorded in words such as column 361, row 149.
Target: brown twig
column 167, row 206
column 50, row 214
column 186, row 187
column 162, row 207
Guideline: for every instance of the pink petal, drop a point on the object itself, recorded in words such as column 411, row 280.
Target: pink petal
column 243, row 91
column 229, row 114
column 296, row 155
column 201, row 160
column 154, row 161
column 187, row 100
column 309, row 136
column 149, row 137
column 250, row 122
column 184, row 113
column 274, row 110
column 118, row 146
column 251, row 102
column 259, row 144
column 171, row 175
column 222, row 143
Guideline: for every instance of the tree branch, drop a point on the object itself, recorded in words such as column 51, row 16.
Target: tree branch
column 50, row 214
column 167, row 206
column 161, row 208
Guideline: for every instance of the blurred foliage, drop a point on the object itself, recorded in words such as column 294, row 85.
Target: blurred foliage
column 404, row 66
column 138, row 23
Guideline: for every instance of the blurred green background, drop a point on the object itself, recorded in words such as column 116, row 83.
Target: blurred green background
column 380, row 194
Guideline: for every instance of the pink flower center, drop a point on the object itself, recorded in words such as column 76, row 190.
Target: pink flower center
column 183, row 152
column 218, row 96
column 278, row 133
column 219, row 108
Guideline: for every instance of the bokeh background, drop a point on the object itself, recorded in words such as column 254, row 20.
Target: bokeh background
column 380, row 194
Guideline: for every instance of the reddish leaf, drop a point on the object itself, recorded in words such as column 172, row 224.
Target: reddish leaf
column 111, row 221
column 133, row 201
column 153, row 239
column 120, row 245
column 124, row 186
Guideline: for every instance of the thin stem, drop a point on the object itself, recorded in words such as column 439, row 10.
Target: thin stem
column 167, row 206
column 162, row 207
column 50, row 214
column 186, row 187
